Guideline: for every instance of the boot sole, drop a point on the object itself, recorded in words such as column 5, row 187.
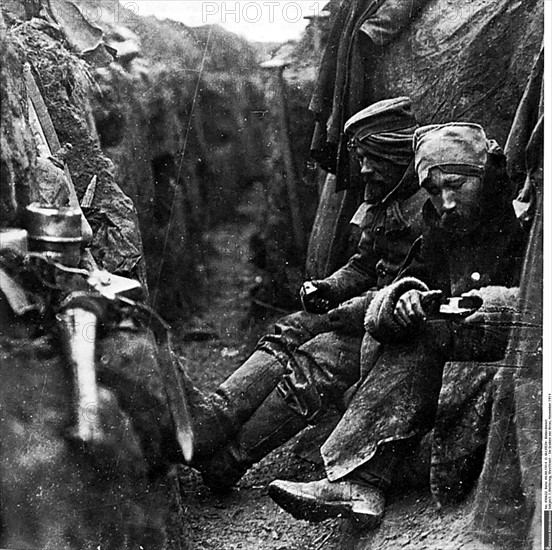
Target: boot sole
column 310, row 509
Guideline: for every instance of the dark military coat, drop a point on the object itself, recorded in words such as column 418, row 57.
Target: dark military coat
column 397, row 397
column 389, row 229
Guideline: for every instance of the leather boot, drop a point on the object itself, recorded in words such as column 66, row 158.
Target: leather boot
column 360, row 496
column 380, row 470
column 220, row 416
column 319, row 500
column 270, row 426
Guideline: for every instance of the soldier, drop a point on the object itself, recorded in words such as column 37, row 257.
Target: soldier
column 278, row 390
column 473, row 244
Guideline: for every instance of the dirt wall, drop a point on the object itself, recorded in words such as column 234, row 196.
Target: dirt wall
column 177, row 115
column 58, row 492
column 17, row 149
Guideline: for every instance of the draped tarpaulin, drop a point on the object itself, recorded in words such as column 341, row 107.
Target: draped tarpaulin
column 468, row 60
column 360, row 30
column 508, row 497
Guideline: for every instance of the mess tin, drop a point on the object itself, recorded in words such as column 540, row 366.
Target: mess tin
column 54, row 232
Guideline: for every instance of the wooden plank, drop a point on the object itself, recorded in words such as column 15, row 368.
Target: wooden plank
column 39, row 110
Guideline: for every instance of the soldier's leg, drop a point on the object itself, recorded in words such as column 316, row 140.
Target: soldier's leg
column 392, row 403
column 129, row 363
column 251, row 383
column 219, row 416
column 130, row 366
column 393, row 408
column 397, row 398
column 359, row 496
column 316, row 377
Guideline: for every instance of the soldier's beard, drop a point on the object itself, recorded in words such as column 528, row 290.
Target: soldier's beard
column 374, row 194
column 377, row 187
column 382, row 181
column 458, row 223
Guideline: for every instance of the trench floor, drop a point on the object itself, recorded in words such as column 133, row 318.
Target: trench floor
column 246, row 518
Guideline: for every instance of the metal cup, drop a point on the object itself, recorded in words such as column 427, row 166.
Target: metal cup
column 55, row 232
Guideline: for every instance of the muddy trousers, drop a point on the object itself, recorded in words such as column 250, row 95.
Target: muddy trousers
column 297, row 373
column 396, row 400
column 297, row 338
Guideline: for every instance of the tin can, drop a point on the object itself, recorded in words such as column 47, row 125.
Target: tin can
column 55, row 232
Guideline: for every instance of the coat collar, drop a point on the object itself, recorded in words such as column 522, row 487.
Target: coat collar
column 386, row 216
column 407, row 186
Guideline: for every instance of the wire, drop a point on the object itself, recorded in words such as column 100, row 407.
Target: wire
column 181, row 163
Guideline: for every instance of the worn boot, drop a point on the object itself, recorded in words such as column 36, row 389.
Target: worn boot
column 272, row 424
column 360, row 496
column 219, row 416
column 319, row 500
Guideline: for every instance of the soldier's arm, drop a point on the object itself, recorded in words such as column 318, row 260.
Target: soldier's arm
column 356, row 276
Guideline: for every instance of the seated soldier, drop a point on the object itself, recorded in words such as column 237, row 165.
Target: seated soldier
column 270, row 397
column 473, row 244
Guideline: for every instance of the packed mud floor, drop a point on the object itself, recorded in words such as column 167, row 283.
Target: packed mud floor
column 247, row 518
column 213, row 347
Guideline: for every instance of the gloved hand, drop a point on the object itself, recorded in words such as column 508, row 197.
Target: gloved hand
column 315, row 296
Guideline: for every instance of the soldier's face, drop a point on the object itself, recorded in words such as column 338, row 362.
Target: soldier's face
column 457, row 199
column 380, row 175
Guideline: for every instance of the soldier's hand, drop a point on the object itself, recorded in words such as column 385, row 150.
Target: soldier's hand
column 412, row 306
column 314, row 297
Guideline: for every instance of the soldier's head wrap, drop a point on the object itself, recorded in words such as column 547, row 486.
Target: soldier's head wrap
column 385, row 128
column 456, row 147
